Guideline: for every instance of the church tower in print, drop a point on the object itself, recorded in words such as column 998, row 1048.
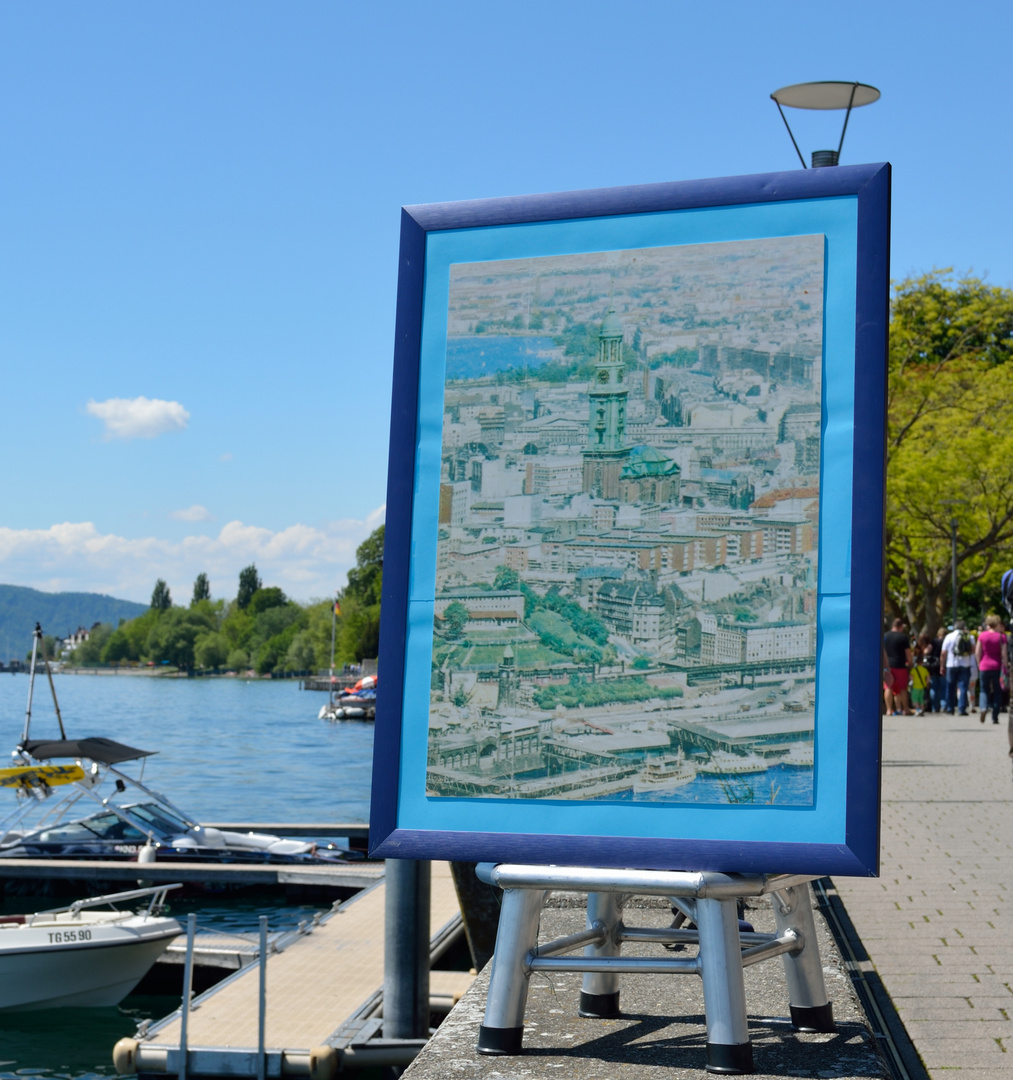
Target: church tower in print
column 606, row 452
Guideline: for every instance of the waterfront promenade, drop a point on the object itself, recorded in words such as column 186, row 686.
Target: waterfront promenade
column 936, row 925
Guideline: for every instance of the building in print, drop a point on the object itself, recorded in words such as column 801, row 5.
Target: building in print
column 628, row 526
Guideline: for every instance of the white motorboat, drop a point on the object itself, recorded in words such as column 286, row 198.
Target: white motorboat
column 46, row 821
column 80, row 956
column 725, row 763
column 666, row 772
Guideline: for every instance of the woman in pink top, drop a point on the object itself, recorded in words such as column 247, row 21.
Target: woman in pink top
column 992, row 659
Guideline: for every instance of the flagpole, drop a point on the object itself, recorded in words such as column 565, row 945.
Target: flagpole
column 334, row 622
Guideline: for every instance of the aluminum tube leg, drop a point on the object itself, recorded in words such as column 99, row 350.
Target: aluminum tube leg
column 406, row 949
column 599, row 994
column 724, row 994
column 807, row 993
column 502, row 1030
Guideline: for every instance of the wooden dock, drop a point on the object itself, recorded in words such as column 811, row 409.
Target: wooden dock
column 351, row 875
column 323, row 996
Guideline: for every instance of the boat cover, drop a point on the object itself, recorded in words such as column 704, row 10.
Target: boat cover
column 104, row 751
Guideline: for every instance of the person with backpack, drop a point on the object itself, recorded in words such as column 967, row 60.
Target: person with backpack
column 956, row 662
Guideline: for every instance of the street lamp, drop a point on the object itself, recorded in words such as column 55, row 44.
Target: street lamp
column 823, row 95
column 953, row 565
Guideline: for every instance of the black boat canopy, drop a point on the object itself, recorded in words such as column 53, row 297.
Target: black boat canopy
column 104, row 751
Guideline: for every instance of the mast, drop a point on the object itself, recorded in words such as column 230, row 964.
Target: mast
column 334, row 621
column 36, row 638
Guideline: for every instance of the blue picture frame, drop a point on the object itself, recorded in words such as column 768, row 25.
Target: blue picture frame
column 837, row 832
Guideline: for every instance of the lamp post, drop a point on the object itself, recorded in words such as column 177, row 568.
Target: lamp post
column 953, row 565
column 823, row 95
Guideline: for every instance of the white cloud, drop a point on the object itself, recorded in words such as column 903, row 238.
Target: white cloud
column 138, row 418
column 193, row 513
column 305, row 560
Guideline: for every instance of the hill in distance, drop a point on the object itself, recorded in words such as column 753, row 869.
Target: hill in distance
column 59, row 614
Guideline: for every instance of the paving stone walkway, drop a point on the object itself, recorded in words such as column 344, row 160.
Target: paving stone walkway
column 937, row 925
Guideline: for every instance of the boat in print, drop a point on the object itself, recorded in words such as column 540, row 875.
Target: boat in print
column 800, row 756
column 664, row 772
column 725, row 763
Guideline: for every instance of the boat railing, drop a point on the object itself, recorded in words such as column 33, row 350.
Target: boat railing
column 156, row 892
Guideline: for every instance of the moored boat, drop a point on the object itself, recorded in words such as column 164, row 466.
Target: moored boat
column 80, row 956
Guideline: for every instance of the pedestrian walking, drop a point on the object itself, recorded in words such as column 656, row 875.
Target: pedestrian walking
column 932, row 647
column 897, row 646
column 956, row 662
column 919, row 680
column 993, row 658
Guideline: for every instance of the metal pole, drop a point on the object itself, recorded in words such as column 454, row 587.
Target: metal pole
column 36, row 638
column 953, row 562
column 406, row 949
column 184, row 1020
column 262, row 1003
column 330, row 681
column 52, row 690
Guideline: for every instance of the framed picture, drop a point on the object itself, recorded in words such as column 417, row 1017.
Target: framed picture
column 633, row 565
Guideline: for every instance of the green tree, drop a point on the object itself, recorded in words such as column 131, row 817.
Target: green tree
column 263, row 599
column 89, row 652
column 211, row 651
column 249, row 583
column 300, row 655
column 201, row 588
column 173, row 638
column 949, row 441
column 454, row 619
column 237, row 660
column 161, row 598
column 359, row 636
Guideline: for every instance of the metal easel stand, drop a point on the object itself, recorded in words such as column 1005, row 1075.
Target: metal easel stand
column 708, row 899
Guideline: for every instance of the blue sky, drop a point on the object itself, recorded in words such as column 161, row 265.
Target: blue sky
column 202, row 210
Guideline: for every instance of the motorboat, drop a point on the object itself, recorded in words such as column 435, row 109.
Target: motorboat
column 664, row 772
column 725, row 763
column 131, row 821
column 357, row 702
column 80, row 955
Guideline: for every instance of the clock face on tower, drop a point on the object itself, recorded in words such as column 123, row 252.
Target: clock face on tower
column 603, row 376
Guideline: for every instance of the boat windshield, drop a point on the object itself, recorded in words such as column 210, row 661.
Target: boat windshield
column 163, row 821
column 105, row 826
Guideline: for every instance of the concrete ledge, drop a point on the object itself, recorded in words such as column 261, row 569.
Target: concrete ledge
column 660, row 1032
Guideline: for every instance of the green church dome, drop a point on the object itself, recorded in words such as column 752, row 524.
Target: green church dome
column 610, row 325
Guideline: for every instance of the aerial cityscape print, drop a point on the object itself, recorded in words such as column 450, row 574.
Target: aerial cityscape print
column 628, row 527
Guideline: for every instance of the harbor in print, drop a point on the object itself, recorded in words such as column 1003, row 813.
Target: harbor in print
column 626, row 574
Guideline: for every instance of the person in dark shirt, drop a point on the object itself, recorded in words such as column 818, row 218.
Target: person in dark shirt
column 897, row 646
column 931, row 648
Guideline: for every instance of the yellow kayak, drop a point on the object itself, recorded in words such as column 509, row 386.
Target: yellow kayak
column 40, row 775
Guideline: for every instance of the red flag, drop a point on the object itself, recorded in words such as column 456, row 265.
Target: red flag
column 337, row 608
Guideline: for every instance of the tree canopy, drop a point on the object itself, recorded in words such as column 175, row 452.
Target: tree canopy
column 161, row 598
column 268, row 632
column 949, row 443
column 249, row 583
column 201, row 588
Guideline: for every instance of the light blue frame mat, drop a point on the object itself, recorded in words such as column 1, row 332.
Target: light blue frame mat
column 836, row 218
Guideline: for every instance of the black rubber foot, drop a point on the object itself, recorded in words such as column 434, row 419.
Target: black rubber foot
column 500, row 1042
column 813, row 1017
column 599, row 1006
column 731, row 1060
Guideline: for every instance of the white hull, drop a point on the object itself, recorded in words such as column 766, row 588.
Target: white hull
column 732, row 765
column 88, row 960
column 664, row 776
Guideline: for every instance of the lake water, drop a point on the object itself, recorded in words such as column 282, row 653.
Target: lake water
column 228, row 750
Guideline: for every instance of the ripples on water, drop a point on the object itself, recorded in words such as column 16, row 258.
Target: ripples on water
column 228, row 750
